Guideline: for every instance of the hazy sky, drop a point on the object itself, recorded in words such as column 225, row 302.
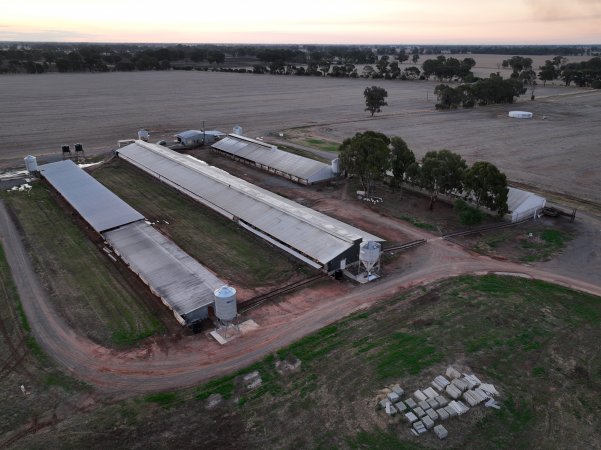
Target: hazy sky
column 305, row 21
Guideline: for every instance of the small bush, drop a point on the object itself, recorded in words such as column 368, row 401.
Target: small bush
column 596, row 84
column 468, row 215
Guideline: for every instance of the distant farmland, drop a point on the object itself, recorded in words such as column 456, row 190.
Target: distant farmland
column 558, row 154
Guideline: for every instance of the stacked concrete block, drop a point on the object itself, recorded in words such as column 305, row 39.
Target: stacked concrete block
column 400, row 406
column 431, row 393
column 440, row 382
column 411, row 403
column 452, row 373
column 489, row 389
column 432, row 414
column 419, row 427
column 423, row 404
column 453, row 392
column 442, row 401
column 411, row 417
column 383, row 403
column 393, row 397
column 459, row 406
column 451, row 411
column 460, row 384
column 419, row 395
column 443, row 414
column 390, row 410
column 398, row 390
column 429, row 423
column 441, row 431
column 474, row 397
column 432, row 403
column 471, row 380
column 419, row 412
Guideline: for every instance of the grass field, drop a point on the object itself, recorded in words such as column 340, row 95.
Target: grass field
column 92, row 295
column 23, row 363
column 535, row 341
column 219, row 244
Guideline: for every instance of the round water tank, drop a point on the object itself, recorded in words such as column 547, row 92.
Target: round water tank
column 31, row 164
column 225, row 303
column 143, row 135
column 369, row 254
column 238, row 130
column 520, row 114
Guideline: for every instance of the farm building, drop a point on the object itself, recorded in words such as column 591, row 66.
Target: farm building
column 195, row 138
column 181, row 282
column 268, row 157
column 318, row 240
column 524, row 204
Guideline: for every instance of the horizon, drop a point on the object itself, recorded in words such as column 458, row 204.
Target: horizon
column 325, row 22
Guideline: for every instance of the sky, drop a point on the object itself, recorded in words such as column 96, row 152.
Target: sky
column 304, row 22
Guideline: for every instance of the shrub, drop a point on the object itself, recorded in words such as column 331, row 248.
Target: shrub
column 468, row 215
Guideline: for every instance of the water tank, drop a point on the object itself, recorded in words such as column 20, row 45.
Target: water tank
column 336, row 166
column 238, row 130
column 369, row 254
column 143, row 135
column 31, row 164
column 78, row 148
column 520, row 114
column 225, row 303
column 66, row 149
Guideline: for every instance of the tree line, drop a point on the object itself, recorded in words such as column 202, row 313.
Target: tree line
column 371, row 156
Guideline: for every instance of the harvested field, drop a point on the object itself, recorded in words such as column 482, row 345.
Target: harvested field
column 219, row 244
column 536, row 342
column 88, row 290
column 42, row 112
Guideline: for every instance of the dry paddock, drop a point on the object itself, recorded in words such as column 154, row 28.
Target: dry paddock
column 560, row 153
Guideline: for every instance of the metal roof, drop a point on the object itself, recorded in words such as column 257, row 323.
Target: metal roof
column 175, row 276
column 194, row 133
column 271, row 156
column 314, row 234
column 518, row 200
column 99, row 207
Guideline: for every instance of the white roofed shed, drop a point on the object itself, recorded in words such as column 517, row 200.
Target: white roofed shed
column 523, row 204
column 268, row 157
column 317, row 239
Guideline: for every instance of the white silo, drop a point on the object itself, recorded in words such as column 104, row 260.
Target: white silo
column 31, row 164
column 238, row 130
column 369, row 254
column 225, row 304
column 143, row 135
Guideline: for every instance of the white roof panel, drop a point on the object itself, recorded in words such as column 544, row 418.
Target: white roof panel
column 270, row 156
column 99, row 207
column 179, row 279
column 314, row 234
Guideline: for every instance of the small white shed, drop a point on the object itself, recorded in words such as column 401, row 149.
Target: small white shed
column 520, row 114
column 524, row 204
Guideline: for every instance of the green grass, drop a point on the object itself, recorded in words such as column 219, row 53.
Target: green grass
column 536, row 342
column 304, row 153
column 163, row 399
column 216, row 242
column 84, row 285
column 321, row 144
column 548, row 243
column 417, row 223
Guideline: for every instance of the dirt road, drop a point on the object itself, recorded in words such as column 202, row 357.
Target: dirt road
column 195, row 359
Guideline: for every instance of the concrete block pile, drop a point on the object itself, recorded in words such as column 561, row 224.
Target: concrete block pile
column 450, row 395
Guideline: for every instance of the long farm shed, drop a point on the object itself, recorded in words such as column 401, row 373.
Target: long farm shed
column 181, row 282
column 268, row 157
column 319, row 240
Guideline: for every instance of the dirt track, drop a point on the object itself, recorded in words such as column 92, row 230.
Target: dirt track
column 196, row 359
column 560, row 153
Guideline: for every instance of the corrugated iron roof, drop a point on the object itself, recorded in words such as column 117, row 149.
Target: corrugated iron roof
column 271, row 156
column 99, row 207
column 314, row 234
column 178, row 278
column 518, row 199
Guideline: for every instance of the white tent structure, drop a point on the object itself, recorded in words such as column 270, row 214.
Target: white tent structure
column 523, row 204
